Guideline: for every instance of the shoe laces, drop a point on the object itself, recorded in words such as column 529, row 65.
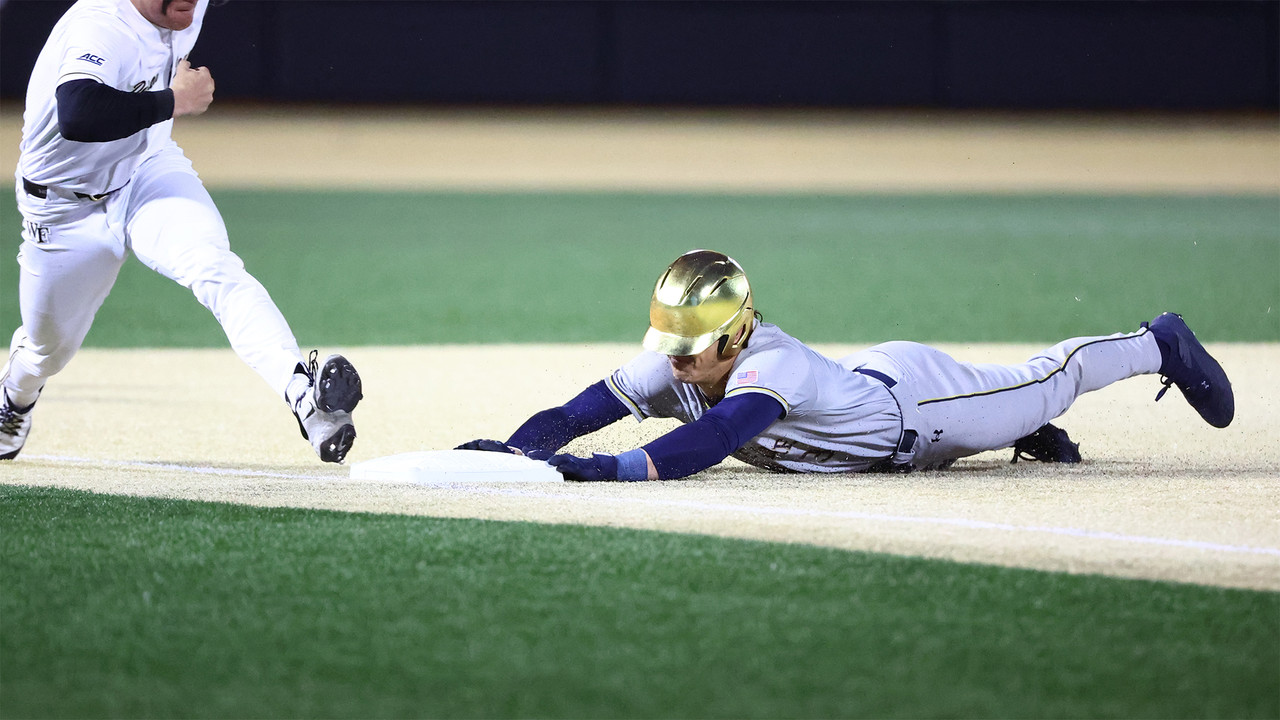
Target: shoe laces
column 1165, row 381
column 11, row 420
column 313, row 366
column 310, row 370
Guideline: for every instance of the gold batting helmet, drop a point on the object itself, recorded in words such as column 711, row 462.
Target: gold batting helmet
column 702, row 298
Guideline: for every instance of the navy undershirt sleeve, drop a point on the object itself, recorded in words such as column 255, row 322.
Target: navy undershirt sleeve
column 89, row 111
column 698, row 445
column 552, row 429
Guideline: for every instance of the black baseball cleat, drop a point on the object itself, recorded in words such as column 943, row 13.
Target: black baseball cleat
column 1048, row 444
column 1184, row 362
column 338, row 386
column 324, row 403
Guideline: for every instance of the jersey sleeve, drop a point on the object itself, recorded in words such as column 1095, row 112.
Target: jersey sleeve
column 98, row 51
column 646, row 387
column 780, row 372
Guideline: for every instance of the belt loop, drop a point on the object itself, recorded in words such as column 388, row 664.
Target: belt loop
column 908, row 441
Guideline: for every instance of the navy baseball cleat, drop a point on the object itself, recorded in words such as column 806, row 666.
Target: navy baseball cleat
column 1184, row 362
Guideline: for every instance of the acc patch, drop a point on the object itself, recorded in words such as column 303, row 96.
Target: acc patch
column 91, row 58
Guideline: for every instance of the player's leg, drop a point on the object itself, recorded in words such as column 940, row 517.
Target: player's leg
column 65, row 273
column 175, row 228
column 961, row 409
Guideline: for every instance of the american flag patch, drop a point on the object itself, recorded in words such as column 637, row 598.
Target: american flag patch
column 747, row 377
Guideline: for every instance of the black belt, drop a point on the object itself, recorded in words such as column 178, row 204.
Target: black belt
column 42, row 192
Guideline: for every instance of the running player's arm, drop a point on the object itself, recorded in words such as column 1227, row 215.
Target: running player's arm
column 90, row 111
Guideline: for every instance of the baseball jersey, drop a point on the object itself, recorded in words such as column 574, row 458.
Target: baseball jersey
column 834, row 420
column 108, row 41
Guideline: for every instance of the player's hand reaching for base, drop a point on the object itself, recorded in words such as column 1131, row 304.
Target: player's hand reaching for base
column 597, row 468
column 192, row 89
column 497, row 446
column 487, row 446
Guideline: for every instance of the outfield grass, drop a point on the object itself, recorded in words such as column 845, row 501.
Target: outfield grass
column 123, row 607
column 357, row 268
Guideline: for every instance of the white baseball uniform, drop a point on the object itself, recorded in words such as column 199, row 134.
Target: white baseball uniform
column 75, row 242
column 895, row 404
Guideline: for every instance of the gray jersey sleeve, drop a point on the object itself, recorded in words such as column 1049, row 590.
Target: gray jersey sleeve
column 645, row 385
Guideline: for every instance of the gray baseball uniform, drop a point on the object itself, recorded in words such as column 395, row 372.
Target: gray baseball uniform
column 898, row 403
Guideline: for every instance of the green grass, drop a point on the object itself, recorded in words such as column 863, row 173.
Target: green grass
column 119, row 607
column 408, row 268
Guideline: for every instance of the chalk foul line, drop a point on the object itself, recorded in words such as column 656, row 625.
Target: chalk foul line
column 759, row 510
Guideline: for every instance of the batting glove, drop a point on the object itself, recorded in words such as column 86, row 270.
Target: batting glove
column 487, row 445
column 597, row 468
column 495, row 446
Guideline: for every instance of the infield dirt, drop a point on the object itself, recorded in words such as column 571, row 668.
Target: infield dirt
column 1160, row 495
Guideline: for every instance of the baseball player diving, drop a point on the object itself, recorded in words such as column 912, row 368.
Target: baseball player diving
column 100, row 177
column 745, row 388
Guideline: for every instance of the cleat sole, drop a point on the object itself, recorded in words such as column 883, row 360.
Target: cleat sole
column 338, row 386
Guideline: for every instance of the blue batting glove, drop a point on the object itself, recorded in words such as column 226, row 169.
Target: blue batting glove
column 487, row 445
column 597, row 468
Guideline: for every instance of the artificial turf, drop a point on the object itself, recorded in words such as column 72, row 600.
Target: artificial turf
column 393, row 268
column 128, row 607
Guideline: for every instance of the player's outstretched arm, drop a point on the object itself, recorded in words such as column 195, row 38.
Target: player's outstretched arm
column 685, row 450
column 546, row 432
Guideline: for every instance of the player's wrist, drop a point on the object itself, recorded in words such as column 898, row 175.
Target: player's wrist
column 632, row 466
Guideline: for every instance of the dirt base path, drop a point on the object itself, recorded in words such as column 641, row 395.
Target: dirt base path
column 1161, row 495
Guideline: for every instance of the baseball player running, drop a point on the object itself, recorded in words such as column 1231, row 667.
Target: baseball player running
column 100, row 177
column 745, row 388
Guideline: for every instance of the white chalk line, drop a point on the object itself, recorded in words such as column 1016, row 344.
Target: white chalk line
column 763, row 510
column 196, row 469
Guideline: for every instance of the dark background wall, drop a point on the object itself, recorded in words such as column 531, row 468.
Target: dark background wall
column 1152, row 54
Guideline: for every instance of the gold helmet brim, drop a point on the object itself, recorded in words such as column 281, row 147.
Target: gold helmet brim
column 666, row 343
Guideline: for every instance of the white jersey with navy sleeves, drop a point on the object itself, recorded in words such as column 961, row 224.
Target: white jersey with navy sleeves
column 834, row 420
column 110, row 42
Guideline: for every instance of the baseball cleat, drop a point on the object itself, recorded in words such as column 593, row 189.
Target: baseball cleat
column 1185, row 363
column 324, row 406
column 15, row 425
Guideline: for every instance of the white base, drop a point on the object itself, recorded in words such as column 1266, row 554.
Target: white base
column 429, row 467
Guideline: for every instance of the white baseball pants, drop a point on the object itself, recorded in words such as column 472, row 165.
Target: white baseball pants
column 73, row 250
column 959, row 409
